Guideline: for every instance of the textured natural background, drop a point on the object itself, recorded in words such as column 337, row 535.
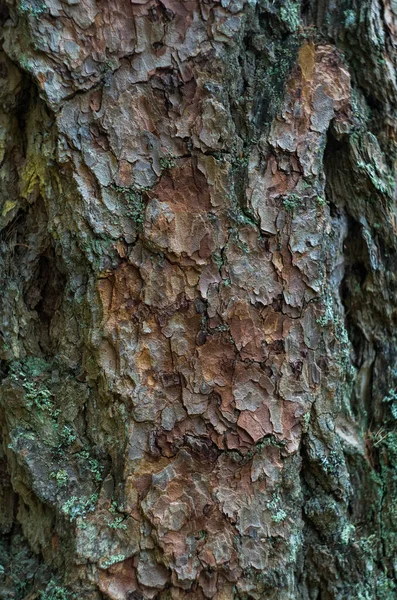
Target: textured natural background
column 198, row 296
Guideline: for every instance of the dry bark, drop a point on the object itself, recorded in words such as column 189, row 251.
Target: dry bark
column 198, row 299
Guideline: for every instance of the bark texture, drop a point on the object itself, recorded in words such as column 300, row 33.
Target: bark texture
column 198, row 393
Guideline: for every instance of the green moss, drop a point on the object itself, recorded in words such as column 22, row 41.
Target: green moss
column 79, row 507
column 271, row 76
column 241, row 161
column 60, row 476
column 135, row 206
column 332, row 463
column 391, row 400
column 117, row 523
column 91, row 464
column 241, row 217
column 377, row 182
column 112, row 560
column 306, row 421
column 67, row 437
column 53, row 591
column 278, row 514
column 385, row 587
column 347, row 533
column 290, row 15
column 217, row 259
column 291, row 202
column 167, row 162
column 109, row 66
column 32, row 8
column 32, row 374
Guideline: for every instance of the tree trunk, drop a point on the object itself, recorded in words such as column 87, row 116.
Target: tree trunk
column 198, row 391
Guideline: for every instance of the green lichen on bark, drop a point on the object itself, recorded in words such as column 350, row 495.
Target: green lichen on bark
column 197, row 300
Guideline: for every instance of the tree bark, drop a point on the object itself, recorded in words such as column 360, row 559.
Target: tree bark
column 198, row 393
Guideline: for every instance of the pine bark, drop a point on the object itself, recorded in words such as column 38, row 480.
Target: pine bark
column 198, row 380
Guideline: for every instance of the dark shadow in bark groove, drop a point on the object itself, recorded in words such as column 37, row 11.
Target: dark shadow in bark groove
column 50, row 285
column 356, row 264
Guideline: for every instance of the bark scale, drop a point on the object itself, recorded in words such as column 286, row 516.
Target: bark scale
column 198, row 254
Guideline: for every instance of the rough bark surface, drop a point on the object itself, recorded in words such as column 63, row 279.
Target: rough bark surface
column 198, row 390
